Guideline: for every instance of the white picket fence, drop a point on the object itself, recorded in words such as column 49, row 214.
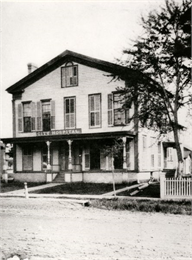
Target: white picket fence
column 175, row 188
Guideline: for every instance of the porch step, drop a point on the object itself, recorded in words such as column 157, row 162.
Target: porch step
column 59, row 178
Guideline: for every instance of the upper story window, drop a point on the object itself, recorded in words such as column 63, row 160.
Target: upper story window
column 26, row 117
column 38, row 116
column 46, row 115
column 95, row 110
column 117, row 115
column 69, row 75
column 69, row 112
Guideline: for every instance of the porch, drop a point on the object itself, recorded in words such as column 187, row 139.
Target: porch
column 74, row 158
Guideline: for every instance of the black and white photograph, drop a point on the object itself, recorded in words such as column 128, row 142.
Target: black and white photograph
column 95, row 130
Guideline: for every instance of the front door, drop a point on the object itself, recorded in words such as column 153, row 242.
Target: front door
column 64, row 155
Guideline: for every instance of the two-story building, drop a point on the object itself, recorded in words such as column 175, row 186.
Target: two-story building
column 66, row 113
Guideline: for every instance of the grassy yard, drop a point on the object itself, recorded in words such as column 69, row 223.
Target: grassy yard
column 81, row 188
column 152, row 191
column 172, row 207
column 15, row 185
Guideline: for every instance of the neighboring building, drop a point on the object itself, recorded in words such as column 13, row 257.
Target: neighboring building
column 64, row 115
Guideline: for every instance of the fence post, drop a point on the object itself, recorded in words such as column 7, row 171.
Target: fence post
column 162, row 185
column 26, row 190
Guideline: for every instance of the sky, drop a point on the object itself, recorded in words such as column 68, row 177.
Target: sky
column 38, row 31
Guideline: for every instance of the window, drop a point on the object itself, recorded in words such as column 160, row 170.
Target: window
column 69, row 112
column 26, row 117
column 170, row 154
column 69, row 76
column 46, row 115
column 116, row 114
column 95, row 110
column 27, row 158
column 87, row 158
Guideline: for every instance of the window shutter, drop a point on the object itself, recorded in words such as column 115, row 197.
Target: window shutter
column 110, row 109
column 97, row 103
column 33, row 116
column 20, row 118
column 39, row 116
column 67, row 120
column 95, row 110
column 52, row 114
column 72, row 120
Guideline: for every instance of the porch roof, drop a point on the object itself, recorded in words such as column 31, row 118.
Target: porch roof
column 81, row 136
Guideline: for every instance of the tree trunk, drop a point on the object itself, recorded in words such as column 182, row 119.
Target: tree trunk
column 179, row 171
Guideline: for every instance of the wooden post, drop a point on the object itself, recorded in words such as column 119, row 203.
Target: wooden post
column 26, row 190
column 162, row 185
column 113, row 174
column 5, row 175
column 48, row 155
column 70, row 156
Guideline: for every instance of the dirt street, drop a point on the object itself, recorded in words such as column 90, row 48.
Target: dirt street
column 54, row 229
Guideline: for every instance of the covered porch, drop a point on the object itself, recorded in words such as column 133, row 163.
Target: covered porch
column 73, row 157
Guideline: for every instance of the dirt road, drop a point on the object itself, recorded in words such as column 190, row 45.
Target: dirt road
column 53, row 229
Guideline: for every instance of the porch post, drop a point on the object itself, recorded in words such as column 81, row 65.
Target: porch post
column 5, row 175
column 124, row 139
column 48, row 155
column 70, row 157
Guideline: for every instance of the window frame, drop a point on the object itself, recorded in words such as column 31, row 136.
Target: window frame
column 74, row 113
column 113, row 110
column 94, row 111
column 27, row 115
column 64, row 75
column 43, row 103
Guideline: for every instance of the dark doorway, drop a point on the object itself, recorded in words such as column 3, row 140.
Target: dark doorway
column 118, row 159
column 94, row 157
column 64, row 155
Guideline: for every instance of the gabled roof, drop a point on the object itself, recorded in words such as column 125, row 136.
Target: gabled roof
column 58, row 61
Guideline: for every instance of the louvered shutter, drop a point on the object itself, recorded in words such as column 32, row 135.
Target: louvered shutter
column 52, row 114
column 20, row 118
column 110, row 109
column 33, row 116
column 39, row 116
